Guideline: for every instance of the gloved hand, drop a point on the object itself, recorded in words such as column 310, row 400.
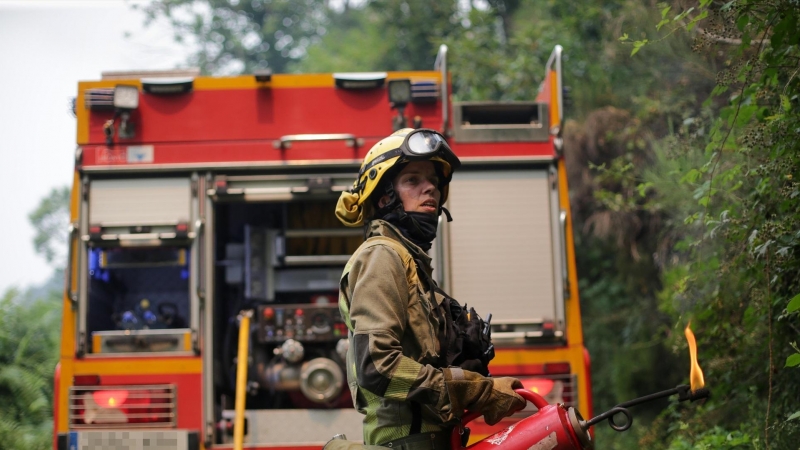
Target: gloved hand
column 493, row 397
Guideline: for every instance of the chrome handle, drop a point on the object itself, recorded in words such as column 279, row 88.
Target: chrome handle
column 71, row 295
column 441, row 65
column 285, row 142
column 562, row 217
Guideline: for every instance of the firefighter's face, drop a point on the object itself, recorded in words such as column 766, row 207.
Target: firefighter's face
column 417, row 187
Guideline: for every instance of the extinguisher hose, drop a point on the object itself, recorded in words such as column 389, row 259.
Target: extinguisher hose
column 610, row 416
column 684, row 393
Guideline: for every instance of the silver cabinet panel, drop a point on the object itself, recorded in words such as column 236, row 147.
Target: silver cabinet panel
column 145, row 201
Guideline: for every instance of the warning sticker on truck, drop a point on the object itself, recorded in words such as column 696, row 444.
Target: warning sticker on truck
column 134, row 154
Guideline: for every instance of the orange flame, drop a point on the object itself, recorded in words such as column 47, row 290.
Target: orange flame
column 695, row 372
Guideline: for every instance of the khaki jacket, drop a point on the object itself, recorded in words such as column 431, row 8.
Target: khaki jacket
column 394, row 350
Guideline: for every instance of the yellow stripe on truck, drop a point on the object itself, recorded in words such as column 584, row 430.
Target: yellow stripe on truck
column 121, row 366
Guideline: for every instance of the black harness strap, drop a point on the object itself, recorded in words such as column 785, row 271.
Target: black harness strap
column 416, row 408
column 416, row 419
column 443, row 316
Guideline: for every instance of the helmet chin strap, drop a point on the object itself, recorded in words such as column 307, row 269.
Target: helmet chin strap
column 392, row 205
column 446, row 213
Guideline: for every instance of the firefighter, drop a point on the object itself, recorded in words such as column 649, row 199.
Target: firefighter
column 408, row 369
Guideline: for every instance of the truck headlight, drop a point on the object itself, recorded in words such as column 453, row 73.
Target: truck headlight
column 400, row 92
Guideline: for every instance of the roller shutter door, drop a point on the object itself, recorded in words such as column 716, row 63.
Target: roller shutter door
column 501, row 245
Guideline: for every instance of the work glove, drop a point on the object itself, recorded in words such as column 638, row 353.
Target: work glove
column 493, row 397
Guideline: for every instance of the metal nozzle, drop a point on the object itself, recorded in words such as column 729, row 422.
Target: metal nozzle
column 686, row 393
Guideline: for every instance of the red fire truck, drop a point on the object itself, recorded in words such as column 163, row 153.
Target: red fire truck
column 196, row 198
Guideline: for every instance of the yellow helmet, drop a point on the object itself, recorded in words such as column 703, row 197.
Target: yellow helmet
column 400, row 147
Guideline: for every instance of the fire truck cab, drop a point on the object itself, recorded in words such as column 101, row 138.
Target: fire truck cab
column 197, row 198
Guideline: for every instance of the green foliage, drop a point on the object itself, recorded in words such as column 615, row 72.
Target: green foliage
column 718, row 183
column 30, row 323
column 627, row 330
column 234, row 36
column 793, row 360
column 736, row 261
column 415, row 29
column 309, row 35
column 29, row 337
column 794, row 304
column 493, row 60
column 339, row 50
column 401, row 35
column 714, row 439
column 50, row 220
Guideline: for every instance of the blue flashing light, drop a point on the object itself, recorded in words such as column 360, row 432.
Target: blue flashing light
column 94, row 259
column 95, row 272
column 149, row 317
column 129, row 320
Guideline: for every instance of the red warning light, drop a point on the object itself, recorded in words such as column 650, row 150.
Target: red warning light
column 541, row 386
column 110, row 399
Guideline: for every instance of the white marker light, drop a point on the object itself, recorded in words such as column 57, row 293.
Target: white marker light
column 126, row 97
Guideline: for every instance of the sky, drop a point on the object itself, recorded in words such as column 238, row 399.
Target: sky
column 46, row 47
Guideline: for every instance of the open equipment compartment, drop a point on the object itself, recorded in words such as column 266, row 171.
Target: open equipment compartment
column 280, row 252
column 136, row 267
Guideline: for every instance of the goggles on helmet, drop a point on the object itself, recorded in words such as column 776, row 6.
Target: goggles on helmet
column 421, row 144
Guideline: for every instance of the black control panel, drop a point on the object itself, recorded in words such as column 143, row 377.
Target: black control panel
column 301, row 322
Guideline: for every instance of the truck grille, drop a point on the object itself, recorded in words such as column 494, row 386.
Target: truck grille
column 560, row 388
column 569, row 393
column 99, row 99
column 122, row 406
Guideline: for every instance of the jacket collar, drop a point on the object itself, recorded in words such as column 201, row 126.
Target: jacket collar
column 380, row 227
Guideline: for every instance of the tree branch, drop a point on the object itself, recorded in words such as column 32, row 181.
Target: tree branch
column 725, row 40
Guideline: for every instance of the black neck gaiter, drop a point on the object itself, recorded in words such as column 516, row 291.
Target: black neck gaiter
column 419, row 228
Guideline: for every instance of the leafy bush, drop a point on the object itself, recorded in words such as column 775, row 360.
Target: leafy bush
column 29, row 347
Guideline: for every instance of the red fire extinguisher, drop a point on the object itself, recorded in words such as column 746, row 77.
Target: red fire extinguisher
column 558, row 427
